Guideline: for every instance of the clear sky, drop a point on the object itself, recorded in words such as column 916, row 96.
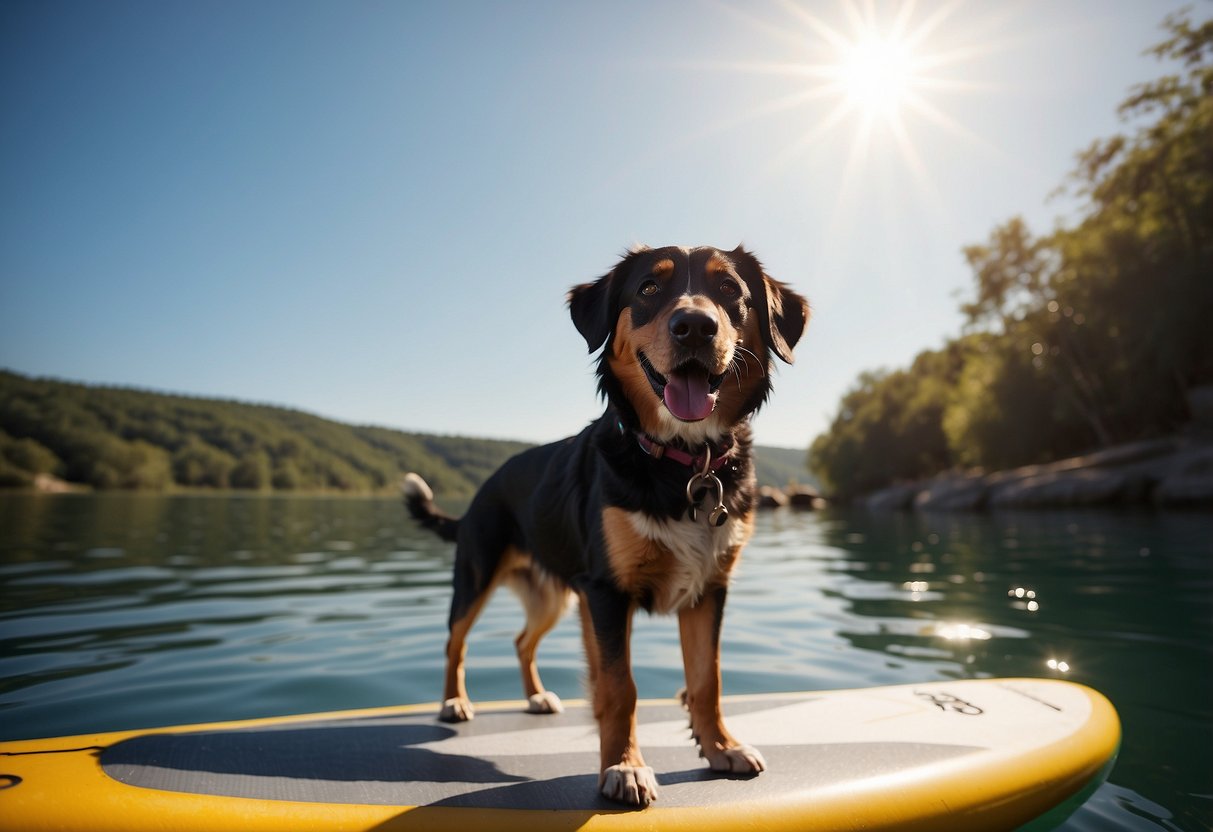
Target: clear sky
column 372, row 210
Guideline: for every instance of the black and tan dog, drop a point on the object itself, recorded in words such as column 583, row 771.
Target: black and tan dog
column 648, row 507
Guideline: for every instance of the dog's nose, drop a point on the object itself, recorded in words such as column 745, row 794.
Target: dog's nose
column 693, row 327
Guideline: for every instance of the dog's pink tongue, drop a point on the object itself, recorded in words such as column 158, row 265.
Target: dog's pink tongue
column 687, row 395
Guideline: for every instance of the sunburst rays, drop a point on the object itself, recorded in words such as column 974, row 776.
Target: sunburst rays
column 876, row 84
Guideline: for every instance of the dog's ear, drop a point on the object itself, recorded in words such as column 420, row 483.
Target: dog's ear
column 592, row 305
column 782, row 313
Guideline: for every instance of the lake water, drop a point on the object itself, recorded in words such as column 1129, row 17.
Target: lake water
column 129, row 611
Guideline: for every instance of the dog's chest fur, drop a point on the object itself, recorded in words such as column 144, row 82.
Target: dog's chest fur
column 670, row 563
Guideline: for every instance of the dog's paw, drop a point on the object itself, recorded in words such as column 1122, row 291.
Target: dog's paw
column 456, row 710
column 634, row 785
column 544, row 703
column 740, row 759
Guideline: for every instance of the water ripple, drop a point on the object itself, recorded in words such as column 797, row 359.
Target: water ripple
column 121, row 611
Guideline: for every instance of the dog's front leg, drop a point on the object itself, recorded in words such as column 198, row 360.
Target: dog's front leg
column 699, row 628
column 607, row 632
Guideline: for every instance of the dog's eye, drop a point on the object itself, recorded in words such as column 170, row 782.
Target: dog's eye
column 729, row 288
column 648, row 288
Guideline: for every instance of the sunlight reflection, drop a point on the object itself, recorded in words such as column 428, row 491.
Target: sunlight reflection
column 957, row 631
column 1025, row 598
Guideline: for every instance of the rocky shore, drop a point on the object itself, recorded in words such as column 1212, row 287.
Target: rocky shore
column 794, row 494
column 1173, row 472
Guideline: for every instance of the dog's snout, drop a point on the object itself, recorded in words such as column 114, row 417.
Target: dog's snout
column 693, row 327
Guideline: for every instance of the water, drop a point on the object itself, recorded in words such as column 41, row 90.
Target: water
column 128, row 611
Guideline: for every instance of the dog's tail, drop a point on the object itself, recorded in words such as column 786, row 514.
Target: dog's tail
column 419, row 500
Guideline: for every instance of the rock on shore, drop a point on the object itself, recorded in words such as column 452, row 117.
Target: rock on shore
column 796, row 495
column 1175, row 471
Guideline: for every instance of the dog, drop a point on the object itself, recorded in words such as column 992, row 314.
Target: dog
column 648, row 507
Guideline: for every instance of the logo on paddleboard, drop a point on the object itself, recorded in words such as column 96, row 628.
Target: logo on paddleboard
column 948, row 702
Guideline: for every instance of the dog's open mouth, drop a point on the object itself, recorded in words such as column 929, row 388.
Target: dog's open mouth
column 689, row 391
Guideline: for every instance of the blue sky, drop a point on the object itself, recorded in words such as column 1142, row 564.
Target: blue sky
column 372, row 210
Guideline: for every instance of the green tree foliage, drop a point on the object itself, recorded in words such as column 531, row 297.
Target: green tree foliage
column 1004, row 410
column 1085, row 337
column 253, row 473
column 889, row 426
column 28, row 455
column 22, row 459
column 286, row 476
column 197, row 464
column 115, row 438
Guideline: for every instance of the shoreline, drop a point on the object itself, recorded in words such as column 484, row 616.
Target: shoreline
column 1169, row 472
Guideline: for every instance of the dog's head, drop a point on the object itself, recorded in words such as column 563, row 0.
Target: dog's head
column 688, row 335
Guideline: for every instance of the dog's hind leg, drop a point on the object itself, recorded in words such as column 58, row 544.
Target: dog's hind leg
column 456, row 707
column 544, row 599
column 474, row 581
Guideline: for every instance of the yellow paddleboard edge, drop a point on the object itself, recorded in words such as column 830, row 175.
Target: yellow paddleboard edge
column 60, row 784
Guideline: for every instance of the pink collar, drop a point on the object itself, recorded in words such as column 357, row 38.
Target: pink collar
column 659, row 451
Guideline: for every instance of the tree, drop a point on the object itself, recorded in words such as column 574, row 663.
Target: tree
column 889, row 427
column 199, row 465
column 1139, row 263
column 1003, row 410
column 28, row 455
column 1016, row 278
column 287, row 476
column 252, row 472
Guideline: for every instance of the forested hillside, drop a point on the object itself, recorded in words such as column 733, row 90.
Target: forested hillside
column 106, row 438
column 116, row 438
column 780, row 466
column 1089, row 335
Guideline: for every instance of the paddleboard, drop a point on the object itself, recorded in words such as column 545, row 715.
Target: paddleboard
column 968, row 754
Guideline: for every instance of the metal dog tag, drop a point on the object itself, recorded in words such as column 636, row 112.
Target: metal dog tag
column 697, row 488
column 694, row 498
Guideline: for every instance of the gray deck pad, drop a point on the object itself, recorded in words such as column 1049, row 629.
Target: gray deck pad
column 500, row 760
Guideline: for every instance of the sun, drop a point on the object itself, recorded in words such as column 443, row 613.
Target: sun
column 862, row 101
column 875, row 73
column 883, row 68
column 872, row 79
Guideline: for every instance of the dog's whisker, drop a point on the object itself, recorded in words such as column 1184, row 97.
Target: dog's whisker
column 745, row 353
column 740, row 353
column 741, row 364
column 735, row 367
column 757, row 360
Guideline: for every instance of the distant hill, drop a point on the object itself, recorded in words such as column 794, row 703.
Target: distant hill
column 117, row 438
column 107, row 437
column 780, row 466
